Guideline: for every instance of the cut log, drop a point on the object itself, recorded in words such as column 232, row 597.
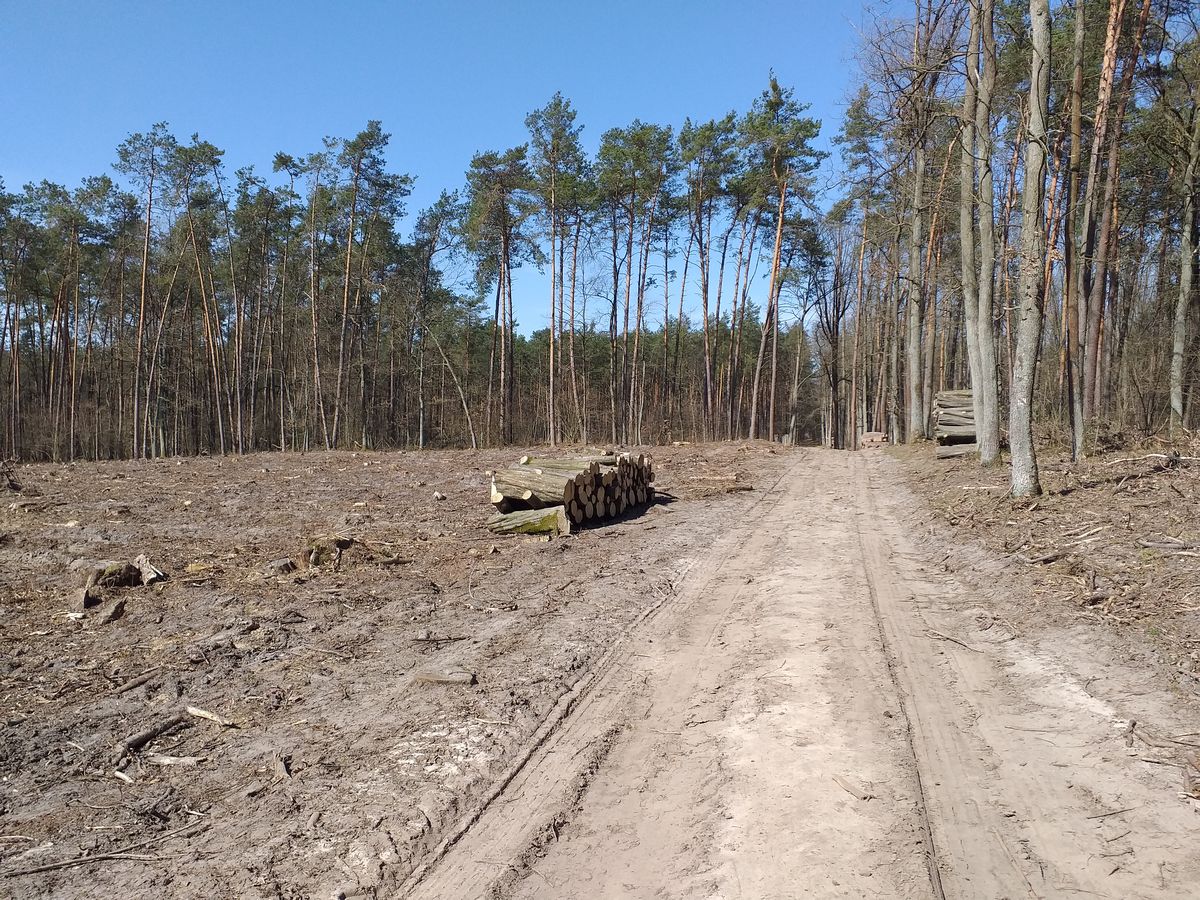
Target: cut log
column 526, row 484
column 954, row 400
column 592, row 486
column 947, row 451
column 579, row 462
column 551, row 520
column 955, row 430
column 946, row 418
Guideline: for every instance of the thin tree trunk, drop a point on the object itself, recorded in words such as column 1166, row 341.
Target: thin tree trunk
column 345, row 324
column 968, row 277
column 1187, row 267
column 1029, row 326
column 141, row 329
column 1089, row 318
column 988, row 385
column 1072, row 278
column 772, row 305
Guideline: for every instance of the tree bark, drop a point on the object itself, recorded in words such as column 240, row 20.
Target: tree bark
column 966, row 211
column 1029, row 324
column 988, row 386
column 1072, row 278
column 1187, row 268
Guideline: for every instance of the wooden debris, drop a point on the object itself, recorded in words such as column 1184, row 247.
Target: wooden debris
column 426, row 636
column 159, row 759
column 8, row 474
column 136, row 682
column 210, row 716
column 948, row 451
column 954, row 424
column 150, row 574
column 872, row 440
column 136, row 741
column 90, row 597
column 1167, row 543
column 531, row 521
column 327, row 549
column 111, row 613
column 597, row 486
column 460, row 677
column 116, row 575
column 857, row 792
column 280, row 567
column 121, row 853
column 953, row 640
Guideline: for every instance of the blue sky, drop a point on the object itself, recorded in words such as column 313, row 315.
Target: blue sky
column 446, row 79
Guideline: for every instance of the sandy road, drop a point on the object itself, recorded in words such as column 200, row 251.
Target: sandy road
column 817, row 712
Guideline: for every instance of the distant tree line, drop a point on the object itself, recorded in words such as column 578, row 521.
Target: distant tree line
column 182, row 310
column 1014, row 210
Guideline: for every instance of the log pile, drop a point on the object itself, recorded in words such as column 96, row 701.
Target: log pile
column 872, row 440
column 549, row 494
column 954, row 424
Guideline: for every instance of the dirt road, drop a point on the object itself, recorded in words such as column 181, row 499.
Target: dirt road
column 820, row 710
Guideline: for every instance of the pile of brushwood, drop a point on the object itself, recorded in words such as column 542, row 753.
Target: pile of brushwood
column 548, row 495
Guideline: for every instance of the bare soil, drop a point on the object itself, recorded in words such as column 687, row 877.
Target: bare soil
column 1113, row 541
column 865, row 676
column 344, row 762
column 851, row 700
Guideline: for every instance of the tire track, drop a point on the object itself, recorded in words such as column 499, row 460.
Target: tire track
column 578, row 720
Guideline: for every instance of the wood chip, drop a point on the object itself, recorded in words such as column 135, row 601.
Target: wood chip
column 211, row 716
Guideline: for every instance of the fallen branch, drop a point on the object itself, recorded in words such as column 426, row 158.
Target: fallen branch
column 1167, row 456
column 858, row 793
column 135, row 742
column 123, row 853
column 1167, row 543
column 1044, row 559
column 426, row 637
column 136, row 682
column 445, row 678
column 212, row 717
column 1115, row 812
column 953, row 640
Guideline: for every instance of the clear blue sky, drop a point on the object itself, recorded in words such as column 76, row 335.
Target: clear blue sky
column 447, row 79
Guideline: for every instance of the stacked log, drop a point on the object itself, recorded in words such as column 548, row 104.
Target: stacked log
column 587, row 488
column 872, row 440
column 954, row 424
column 531, row 521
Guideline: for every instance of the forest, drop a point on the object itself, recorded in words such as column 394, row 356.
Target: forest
column 1010, row 206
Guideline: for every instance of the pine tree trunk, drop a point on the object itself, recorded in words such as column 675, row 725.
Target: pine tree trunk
column 1089, row 317
column 138, row 439
column 769, row 321
column 1073, row 280
column 580, row 428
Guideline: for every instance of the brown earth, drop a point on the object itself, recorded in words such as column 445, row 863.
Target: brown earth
column 1114, row 541
column 819, row 687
